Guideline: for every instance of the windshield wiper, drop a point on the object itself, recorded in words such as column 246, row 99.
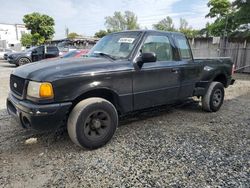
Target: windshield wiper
column 105, row 55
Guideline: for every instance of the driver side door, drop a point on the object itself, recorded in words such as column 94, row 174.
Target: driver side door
column 156, row 83
column 38, row 54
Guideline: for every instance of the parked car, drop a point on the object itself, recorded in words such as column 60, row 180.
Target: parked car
column 124, row 72
column 65, row 49
column 75, row 53
column 33, row 54
column 5, row 51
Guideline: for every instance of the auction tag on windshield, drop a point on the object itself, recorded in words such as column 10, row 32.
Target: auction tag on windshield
column 126, row 40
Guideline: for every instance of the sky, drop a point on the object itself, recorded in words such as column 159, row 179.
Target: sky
column 86, row 17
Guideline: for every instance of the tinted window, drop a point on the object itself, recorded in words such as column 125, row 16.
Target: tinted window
column 184, row 48
column 160, row 45
column 39, row 49
column 52, row 48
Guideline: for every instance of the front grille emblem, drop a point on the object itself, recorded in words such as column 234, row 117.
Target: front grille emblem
column 15, row 85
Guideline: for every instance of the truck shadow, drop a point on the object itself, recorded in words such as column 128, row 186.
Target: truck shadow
column 11, row 132
column 145, row 114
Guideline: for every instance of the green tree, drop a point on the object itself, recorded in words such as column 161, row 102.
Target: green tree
column 165, row 24
column 102, row 33
column 206, row 31
column 231, row 19
column 187, row 30
column 224, row 23
column 26, row 39
column 242, row 18
column 218, row 8
column 40, row 25
column 37, row 39
column 120, row 22
column 73, row 35
column 183, row 24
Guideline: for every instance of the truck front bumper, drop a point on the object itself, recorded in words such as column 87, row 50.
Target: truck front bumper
column 40, row 117
column 12, row 61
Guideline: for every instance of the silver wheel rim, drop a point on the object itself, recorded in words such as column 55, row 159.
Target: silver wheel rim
column 217, row 97
column 23, row 61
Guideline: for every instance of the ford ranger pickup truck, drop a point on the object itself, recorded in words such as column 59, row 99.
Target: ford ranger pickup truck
column 124, row 72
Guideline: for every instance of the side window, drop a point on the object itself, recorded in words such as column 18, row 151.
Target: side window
column 183, row 46
column 160, row 45
column 40, row 49
column 52, row 49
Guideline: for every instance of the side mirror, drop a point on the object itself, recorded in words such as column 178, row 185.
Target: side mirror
column 34, row 51
column 147, row 57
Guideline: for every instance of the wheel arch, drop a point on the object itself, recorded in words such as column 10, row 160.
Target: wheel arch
column 104, row 93
column 220, row 77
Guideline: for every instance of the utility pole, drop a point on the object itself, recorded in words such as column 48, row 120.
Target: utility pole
column 225, row 37
column 66, row 32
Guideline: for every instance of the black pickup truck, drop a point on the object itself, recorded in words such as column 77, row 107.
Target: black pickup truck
column 124, row 72
column 33, row 54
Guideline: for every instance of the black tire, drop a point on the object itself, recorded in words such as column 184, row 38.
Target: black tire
column 213, row 99
column 23, row 61
column 92, row 123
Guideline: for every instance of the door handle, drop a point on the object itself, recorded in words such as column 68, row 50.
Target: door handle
column 175, row 70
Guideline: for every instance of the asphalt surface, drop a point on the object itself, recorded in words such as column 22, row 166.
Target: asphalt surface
column 178, row 146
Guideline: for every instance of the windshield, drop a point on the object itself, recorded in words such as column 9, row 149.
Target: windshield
column 30, row 49
column 117, row 45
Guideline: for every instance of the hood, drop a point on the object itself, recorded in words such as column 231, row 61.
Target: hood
column 18, row 53
column 61, row 68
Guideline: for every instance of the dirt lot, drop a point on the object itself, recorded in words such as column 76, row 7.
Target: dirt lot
column 168, row 147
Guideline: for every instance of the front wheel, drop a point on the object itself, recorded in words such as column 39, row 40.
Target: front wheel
column 23, row 61
column 92, row 123
column 214, row 97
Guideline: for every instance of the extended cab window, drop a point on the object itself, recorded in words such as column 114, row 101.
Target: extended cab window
column 183, row 46
column 160, row 45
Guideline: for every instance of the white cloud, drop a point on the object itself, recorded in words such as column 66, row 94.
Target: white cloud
column 86, row 17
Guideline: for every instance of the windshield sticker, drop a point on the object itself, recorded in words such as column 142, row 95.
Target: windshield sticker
column 126, row 40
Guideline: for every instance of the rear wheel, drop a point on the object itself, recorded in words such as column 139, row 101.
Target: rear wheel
column 214, row 97
column 92, row 123
column 23, row 61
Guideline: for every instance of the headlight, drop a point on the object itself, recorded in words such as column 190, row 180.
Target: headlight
column 39, row 90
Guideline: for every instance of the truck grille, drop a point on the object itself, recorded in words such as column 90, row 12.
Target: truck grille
column 17, row 84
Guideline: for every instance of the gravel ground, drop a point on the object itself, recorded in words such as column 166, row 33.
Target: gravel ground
column 178, row 146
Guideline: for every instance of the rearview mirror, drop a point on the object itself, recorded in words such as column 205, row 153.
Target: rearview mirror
column 147, row 57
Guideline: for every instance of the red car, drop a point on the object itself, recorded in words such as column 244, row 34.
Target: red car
column 75, row 53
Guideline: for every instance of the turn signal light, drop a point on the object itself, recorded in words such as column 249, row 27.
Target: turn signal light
column 46, row 90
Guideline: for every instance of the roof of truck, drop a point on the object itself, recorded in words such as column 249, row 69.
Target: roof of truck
column 151, row 31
